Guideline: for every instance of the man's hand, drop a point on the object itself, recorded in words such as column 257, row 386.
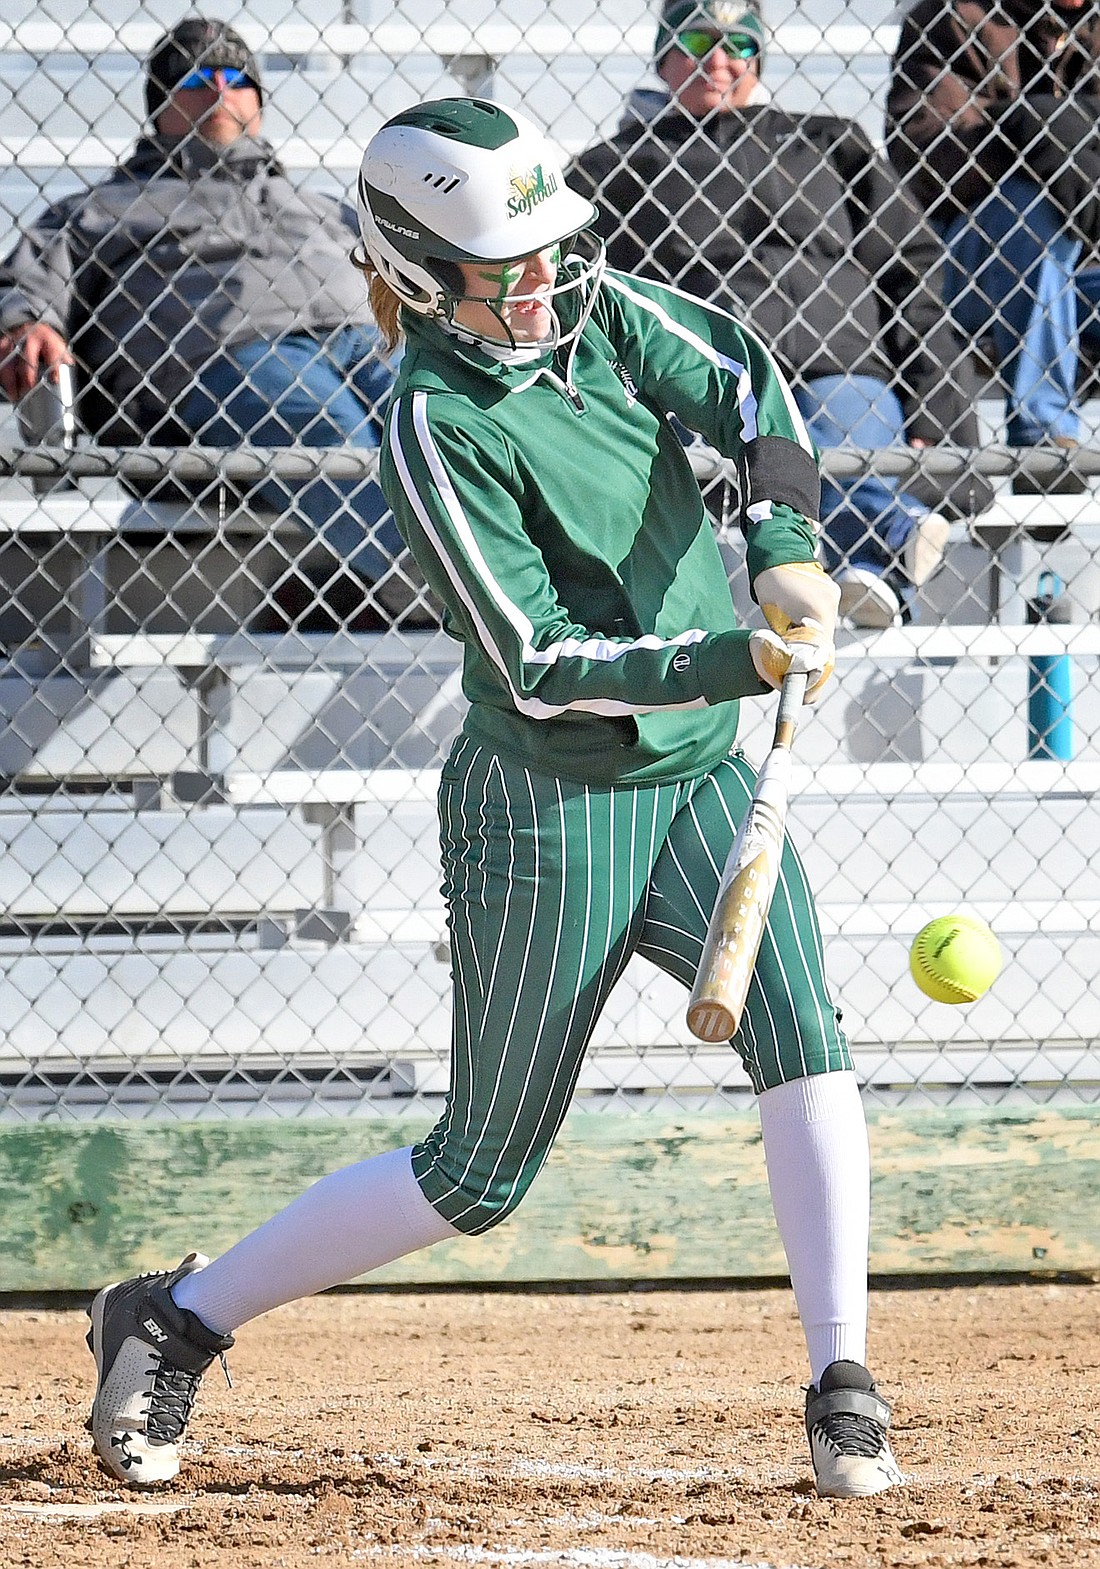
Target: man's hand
column 27, row 353
column 805, row 650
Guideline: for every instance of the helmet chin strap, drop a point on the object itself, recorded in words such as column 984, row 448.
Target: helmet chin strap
column 492, row 348
column 507, row 350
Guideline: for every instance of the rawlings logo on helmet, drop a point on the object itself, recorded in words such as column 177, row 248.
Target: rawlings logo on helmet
column 396, row 228
column 531, row 189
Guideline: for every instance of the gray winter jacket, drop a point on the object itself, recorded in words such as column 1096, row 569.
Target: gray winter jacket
column 184, row 249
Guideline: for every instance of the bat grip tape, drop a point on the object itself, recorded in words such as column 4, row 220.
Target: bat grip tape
column 791, row 696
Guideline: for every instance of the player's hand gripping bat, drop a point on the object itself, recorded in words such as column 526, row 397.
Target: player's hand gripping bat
column 747, row 885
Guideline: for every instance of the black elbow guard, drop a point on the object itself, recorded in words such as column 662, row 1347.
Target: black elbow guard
column 782, row 472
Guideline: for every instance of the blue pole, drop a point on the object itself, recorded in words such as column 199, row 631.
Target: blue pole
column 1049, row 680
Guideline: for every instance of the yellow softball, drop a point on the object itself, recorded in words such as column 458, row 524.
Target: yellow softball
column 955, row 958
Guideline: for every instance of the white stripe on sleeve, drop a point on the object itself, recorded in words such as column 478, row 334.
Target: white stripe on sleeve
column 595, row 650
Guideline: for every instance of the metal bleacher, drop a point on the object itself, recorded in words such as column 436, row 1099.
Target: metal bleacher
column 222, row 882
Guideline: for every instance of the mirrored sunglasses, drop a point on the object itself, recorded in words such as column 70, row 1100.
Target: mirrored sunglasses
column 698, row 43
column 207, row 76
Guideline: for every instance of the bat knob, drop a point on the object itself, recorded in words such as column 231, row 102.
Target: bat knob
column 711, row 1022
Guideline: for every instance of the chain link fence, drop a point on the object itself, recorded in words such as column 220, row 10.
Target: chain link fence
column 221, row 721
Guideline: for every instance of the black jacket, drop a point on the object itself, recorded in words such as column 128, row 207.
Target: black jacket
column 795, row 225
column 983, row 88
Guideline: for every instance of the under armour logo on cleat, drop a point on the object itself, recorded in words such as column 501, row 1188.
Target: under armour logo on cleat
column 122, row 1442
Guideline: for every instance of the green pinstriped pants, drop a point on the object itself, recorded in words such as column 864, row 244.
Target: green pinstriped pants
column 551, row 887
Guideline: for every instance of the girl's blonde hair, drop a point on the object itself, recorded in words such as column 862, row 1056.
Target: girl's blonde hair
column 384, row 303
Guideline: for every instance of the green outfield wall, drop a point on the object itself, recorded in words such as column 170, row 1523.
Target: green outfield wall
column 623, row 1198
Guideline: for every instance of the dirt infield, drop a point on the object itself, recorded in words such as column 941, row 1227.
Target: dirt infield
column 619, row 1431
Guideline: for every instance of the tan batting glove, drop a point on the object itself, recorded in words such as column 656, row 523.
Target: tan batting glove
column 799, row 593
column 804, row 650
column 800, row 603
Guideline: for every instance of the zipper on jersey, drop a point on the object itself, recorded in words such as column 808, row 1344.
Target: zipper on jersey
column 566, row 388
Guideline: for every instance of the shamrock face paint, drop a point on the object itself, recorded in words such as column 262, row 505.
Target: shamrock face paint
column 502, row 281
column 509, row 301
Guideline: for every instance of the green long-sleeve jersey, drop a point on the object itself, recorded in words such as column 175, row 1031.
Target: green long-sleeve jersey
column 554, row 513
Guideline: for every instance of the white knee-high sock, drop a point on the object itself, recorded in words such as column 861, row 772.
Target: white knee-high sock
column 350, row 1222
column 819, row 1173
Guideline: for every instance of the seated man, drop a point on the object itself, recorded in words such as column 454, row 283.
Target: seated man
column 203, row 297
column 793, row 224
column 993, row 116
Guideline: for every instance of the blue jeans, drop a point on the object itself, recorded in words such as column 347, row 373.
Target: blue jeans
column 1013, row 271
column 298, row 388
column 865, row 521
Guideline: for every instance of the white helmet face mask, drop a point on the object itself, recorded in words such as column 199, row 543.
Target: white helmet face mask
column 463, row 181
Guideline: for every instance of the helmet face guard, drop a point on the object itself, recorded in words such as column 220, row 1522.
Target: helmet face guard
column 464, row 181
column 580, row 261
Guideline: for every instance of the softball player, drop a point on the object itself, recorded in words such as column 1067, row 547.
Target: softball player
column 590, row 800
